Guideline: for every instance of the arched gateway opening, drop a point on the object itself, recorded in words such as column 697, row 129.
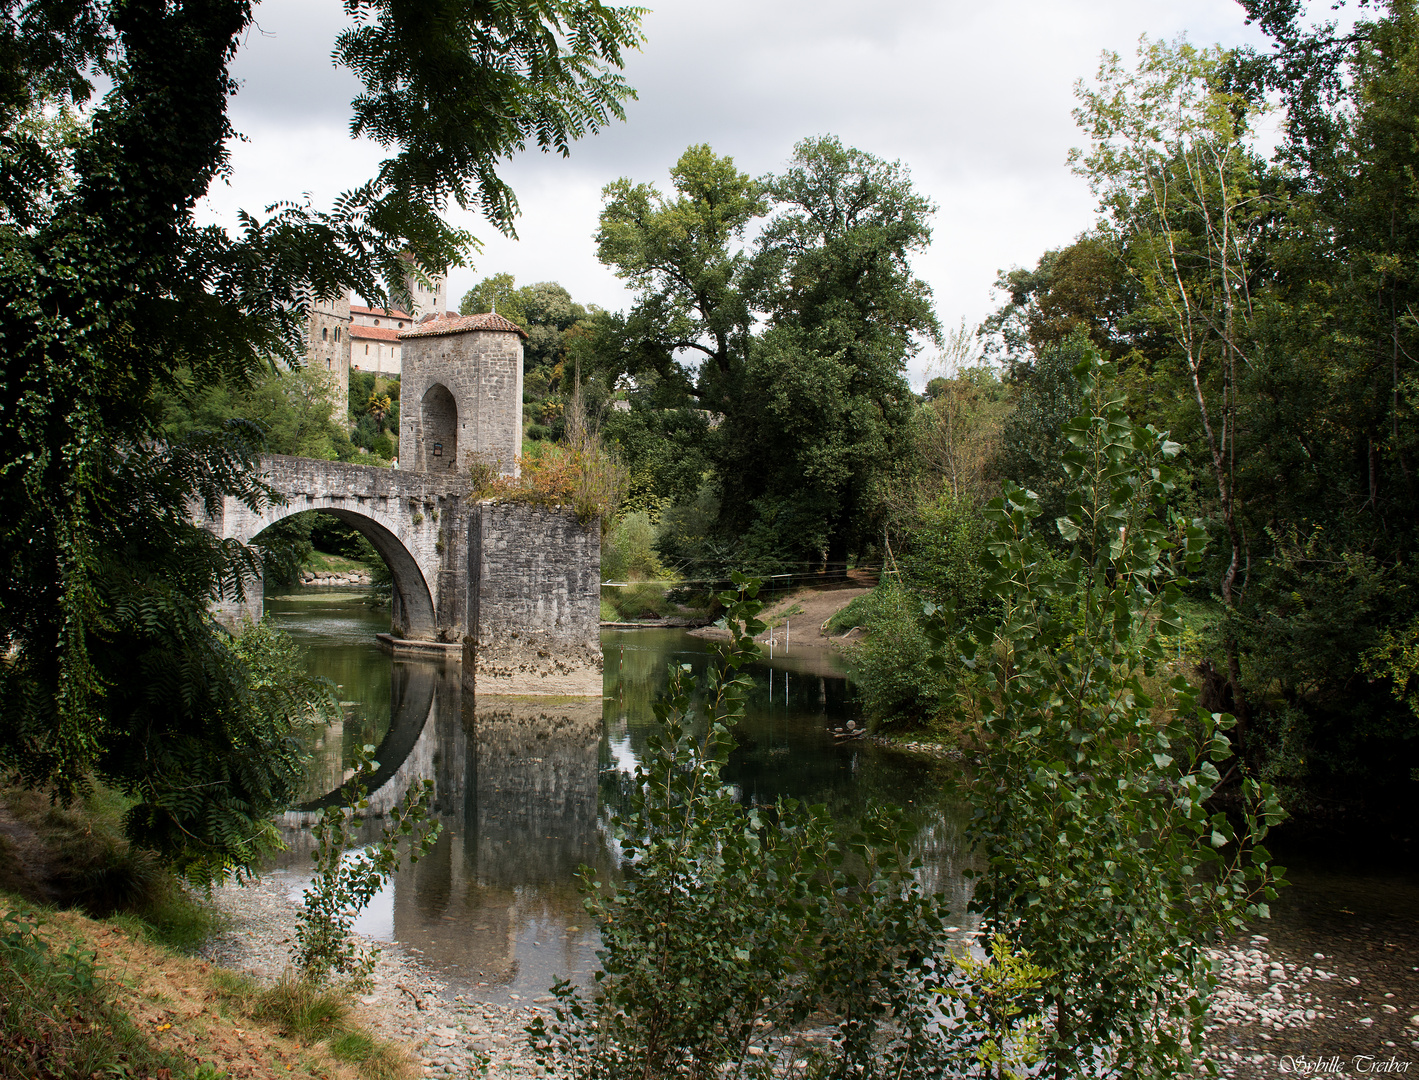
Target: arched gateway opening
column 437, row 450
column 412, row 612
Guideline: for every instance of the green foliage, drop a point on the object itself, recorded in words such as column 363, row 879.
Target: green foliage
column 55, row 1018
column 293, row 409
column 992, row 997
column 687, row 540
column 628, row 552
column 663, row 448
column 1079, row 289
column 113, row 291
column 892, row 666
column 734, row 923
column 552, row 319
column 1033, row 441
column 588, row 479
column 943, row 546
column 636, row 601
column 496, row 292
column 1103, row 859
column 344, row 885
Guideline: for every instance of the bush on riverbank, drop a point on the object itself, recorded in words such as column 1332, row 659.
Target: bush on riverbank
column 733, row 924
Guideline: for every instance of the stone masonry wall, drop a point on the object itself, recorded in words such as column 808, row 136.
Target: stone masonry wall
column 534, row 601
column 482, row 369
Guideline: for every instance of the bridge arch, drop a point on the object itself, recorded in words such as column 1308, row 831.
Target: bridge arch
column 411, row 521
column 413, row 602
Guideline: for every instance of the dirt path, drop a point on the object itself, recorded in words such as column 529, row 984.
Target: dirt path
column 801, row 614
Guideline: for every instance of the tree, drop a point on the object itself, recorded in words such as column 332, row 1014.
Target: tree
column 1171, row 160
column 823, row 409
column 685, row 258
column 1084, row 285
column 497, row 292
column 110, row 288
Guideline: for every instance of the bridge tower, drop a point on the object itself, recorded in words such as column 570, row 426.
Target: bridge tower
column 460, row 395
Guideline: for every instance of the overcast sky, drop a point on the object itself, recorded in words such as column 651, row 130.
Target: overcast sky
column 975, row 98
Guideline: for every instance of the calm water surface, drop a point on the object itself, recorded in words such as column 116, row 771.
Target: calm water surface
column 526, row 789
column 526, row 792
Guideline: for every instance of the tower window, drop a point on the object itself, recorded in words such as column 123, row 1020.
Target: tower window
column 376, row 322
column 337, row 333
column 325, row 333
column 367, row 350
column 327, row 364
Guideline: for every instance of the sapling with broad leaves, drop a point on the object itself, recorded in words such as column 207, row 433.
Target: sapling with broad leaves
column 1105, row 859
column 344, row 883
column 734, row 923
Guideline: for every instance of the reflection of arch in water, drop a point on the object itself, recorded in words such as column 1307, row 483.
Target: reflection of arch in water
column 411, row 691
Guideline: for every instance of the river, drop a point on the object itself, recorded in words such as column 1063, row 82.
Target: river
column 526, row 789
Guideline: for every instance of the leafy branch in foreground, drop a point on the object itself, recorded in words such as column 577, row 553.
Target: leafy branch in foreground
column 344, row 884
column 1103, row 860
column 733, row 924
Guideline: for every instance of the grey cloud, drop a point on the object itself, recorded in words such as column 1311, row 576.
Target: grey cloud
column 974, row 98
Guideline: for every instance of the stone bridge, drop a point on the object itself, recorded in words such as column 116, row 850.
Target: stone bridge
column 512, row 590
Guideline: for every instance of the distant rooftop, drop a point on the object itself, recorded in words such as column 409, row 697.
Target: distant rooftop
column 457, row 324
column 374, row 333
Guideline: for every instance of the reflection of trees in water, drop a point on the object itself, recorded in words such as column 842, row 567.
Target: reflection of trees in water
column 785, row 749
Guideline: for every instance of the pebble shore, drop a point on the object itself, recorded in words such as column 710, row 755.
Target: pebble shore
column 1269, row 1006
column 450, row 1035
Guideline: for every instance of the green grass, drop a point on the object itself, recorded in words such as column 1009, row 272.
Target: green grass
column 857, row 612
column 55, row 1019
column 312, row 1014
column 339, row 564
column 636, row 600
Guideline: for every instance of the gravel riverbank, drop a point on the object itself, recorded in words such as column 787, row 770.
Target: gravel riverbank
column 447, row 1035
column 1275, row 1009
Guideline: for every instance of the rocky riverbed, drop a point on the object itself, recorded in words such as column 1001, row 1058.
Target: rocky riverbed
column 447, row 1034
column 1277, row 1011
column 335, row 577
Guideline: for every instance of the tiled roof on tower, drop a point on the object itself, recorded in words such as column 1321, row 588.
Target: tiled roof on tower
column 456, row 324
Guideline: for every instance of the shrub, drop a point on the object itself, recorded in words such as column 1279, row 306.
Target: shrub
column 892, row 667
column 344, row 885
column 587, row 478
column 732, row 924
column 1090, row 806
column 628, row 552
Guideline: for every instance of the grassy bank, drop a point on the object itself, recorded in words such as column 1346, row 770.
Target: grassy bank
column 81, row 997
column 97, row 976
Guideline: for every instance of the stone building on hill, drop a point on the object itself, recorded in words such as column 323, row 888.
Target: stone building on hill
column 461, row 394
column 374, row 338
column 343, row 335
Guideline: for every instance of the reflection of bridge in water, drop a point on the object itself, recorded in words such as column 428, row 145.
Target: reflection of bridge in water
column 515, row 786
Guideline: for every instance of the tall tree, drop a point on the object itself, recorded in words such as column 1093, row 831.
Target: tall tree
column 1170, row 157
column 110, row 287
column 685, row 258
column 823, row 411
